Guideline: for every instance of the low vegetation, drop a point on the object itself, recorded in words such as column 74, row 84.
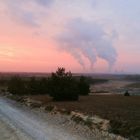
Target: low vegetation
column 61, row 85
column 17, row 86
column 123, row 112
column 134, row 85
column 126, row 93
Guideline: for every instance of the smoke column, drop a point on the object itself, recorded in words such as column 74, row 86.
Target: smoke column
column 88, row 39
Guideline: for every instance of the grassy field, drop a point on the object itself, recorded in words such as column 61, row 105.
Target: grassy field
column 134, row 85
column 123, row 112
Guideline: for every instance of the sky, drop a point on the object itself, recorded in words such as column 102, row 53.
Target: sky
column 101, row 36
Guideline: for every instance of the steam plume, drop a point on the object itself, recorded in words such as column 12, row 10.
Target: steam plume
column 82, row 38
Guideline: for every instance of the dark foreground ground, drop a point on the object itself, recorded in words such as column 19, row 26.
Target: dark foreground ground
column 123, row 112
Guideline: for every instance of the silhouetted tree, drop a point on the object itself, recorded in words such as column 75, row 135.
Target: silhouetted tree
column 33, row 86
column 43, row 86
column 126, row 93
column 62, row 86
column 83, row 86
column 17, row 86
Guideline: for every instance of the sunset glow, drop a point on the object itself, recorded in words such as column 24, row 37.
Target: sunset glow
column 83, row 36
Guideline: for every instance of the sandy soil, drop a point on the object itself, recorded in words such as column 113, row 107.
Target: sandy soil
column 110, row 87
column 21, row 123
column 8, row 132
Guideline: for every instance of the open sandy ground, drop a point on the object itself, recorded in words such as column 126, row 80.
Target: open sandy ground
column 21, row 123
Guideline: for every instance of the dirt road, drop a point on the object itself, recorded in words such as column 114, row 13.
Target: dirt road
column 19, row 124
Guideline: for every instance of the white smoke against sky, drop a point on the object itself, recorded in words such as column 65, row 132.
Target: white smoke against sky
column 84, row 38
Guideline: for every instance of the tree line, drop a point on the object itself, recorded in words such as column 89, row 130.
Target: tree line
column 61, row 85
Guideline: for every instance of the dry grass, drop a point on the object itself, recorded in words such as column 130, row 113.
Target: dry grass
column 103, row 104
column 124, row 112
column 134, row 85
column 45, row 99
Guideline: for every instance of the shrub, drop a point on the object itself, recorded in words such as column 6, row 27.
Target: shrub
column 126, row 93
column 37, row 86
column 33, row 86
column 17, row 86
column 49, row 108
column 62, row 86
column 43, row 86
column 83, row 86
column 88, row 122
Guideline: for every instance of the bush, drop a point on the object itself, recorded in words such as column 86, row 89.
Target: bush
column 43, row 86
column 83, row 86
column 62, row 86
column 33, row 86
column 126, row 93
column 37, row 86
column 17, row 86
